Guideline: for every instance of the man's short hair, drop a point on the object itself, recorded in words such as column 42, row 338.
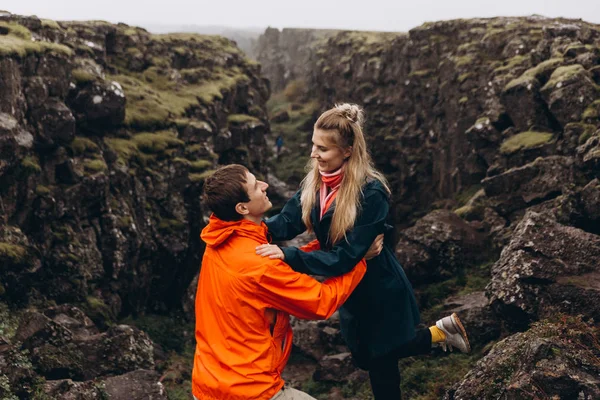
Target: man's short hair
column 224, row 189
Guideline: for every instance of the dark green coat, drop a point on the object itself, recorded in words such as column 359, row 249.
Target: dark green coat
column 382, row 312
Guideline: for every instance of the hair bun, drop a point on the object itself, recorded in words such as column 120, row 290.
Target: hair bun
column 352, row 112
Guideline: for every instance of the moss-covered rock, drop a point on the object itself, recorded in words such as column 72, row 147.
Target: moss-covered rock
column 95, row 166
column 82, row 145
column 81, row 76
column 524, row 141
column 159, row 142
column 196, row 178
column 592, row 112
column 563, row 75
column 13, row 254
column 541, row 72
column 531, row 363
column 30, row 165
column 16, row 41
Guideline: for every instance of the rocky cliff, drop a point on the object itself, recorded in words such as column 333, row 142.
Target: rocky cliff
column 489, row 132
column 106, row 135
column 285, row 55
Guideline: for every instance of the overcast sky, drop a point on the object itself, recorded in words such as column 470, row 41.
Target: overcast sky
column 387, row 15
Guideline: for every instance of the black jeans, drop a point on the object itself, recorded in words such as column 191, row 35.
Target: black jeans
column 384, row 373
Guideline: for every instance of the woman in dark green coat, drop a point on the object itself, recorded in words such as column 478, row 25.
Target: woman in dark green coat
column 344, row 200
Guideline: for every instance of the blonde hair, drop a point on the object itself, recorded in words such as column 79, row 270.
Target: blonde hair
column 345, row 121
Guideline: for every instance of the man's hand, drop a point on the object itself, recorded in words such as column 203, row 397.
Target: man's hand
column 270, row 250
column 375, row 248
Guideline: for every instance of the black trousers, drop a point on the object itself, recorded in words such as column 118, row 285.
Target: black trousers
column 384, row 373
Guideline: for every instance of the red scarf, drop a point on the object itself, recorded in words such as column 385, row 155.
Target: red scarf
column 330, row 183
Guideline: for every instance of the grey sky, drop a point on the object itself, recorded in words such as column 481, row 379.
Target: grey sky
column 388, row 15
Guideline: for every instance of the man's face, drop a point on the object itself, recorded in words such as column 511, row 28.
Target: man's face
column 257, row 192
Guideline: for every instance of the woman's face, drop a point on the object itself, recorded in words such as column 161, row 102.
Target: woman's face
column 329, row 156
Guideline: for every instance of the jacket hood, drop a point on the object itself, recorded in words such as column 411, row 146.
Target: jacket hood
column 218, row 231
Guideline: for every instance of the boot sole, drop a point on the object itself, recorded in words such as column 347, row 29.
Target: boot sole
column 457, row 323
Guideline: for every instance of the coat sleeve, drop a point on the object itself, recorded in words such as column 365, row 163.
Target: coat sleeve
column 300, row 295
column 288, row 223
column 346, row 253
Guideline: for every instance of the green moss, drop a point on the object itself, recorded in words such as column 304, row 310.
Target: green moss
column 208, row 43
column 125, row 149
column 201, row 177
column 491, row 32
column 41, row 190
column 179, row 392
column 574, row 49
column 465, row 211
column 525, row 140
column 467, row 46
column 463, row 100
column 49, row 23
column 537, row 72
column 129, row 31
column 585, row 131
column 562, row 74
column 437, row 38
column 364, row 42
column 463, row 60
column 463, row 77
column 421, row 73
column 289, row 167
column 158, row 142
column 200, row 165
column 95, row 165
column 183, row 161
column 592, row 111
column 154, row 99
column 5, row 388
column 9, row 321
column 160, row 62
column 512, row 63
column 18, row 43
column 240, row 119
column 29, row 165
column 466, row 194
column 428, row 378
column 81, row 76
column 124, row 222
column 171, row 225
column 81, row 145
column 12, row 253
column 98, row 311
column 16, row 30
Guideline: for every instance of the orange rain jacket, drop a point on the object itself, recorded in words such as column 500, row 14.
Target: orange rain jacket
column 243, row 302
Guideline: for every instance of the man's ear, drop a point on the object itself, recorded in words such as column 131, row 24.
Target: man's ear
column 241, row 209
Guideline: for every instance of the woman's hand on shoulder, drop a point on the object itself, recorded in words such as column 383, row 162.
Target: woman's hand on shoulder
column 270, row 250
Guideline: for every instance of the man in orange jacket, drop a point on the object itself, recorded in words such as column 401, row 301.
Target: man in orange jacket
column 243, row 301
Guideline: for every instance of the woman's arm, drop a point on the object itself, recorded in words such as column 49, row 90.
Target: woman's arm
column 288, row 223
column 346, row 253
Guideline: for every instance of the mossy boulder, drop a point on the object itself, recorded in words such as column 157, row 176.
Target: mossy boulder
column 555, row 358
column 525, row 141
column 15, row 40
column 568, row 92
column 592, row 112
